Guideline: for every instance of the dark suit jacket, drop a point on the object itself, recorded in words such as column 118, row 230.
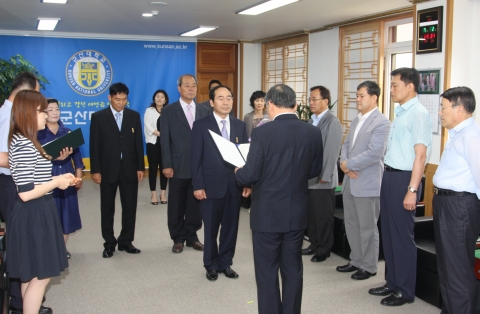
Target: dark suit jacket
column 209, row 171
column 175, row 136
column 284, row 154
column 107, row 144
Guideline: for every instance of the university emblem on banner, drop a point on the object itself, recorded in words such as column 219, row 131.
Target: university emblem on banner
column 89, row 73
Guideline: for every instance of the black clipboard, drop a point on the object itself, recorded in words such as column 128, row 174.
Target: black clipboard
column 72, row 139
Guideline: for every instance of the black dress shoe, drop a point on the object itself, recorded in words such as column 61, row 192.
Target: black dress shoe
column 395, row 299
column 308, row 251
column 320, row 257
column 346, row 268
column 229, row 273
column 43, row 310
column 362, row 275
column 108, row 252
column 129, row 249
column 381, row 291
column 212, row 275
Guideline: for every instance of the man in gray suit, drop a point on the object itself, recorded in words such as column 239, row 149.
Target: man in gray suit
column 322, row 188
column 176, row 124
column 362, row 162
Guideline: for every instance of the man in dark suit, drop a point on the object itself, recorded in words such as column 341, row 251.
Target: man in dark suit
column 214, row 183
column 116, row 159
column 176, row 122
column 213, row 83
column 283, row 155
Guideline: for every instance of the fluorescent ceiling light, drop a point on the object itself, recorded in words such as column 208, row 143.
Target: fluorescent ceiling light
column 54, row 1
column 47, row 24
column 265, row 6
column 199, row 30
column 147, row 14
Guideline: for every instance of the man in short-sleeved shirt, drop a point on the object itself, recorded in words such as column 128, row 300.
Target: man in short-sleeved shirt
column 408, row 147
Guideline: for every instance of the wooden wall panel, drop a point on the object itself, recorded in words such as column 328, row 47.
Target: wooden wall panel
column 217, row 61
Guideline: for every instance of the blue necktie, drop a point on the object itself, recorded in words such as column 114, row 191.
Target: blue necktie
column 224, row 130
column 118, row 118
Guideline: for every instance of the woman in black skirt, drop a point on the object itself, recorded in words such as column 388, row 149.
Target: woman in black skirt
column 151, row 122
column 36, row 250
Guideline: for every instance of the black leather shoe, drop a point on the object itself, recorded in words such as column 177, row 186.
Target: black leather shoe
column 320, row 257
column 395, row 299
column 308, row 251
column 362, row 275
column 43, row 310
column 229, row 273
column 108, row 252
column 212, row 275
column 380, row 291
column 129, row 249
column 346, row 268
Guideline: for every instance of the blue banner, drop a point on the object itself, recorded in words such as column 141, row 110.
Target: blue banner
column 80, row 72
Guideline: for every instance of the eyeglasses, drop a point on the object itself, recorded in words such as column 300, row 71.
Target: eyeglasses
column 314, row 99
column 44, row 111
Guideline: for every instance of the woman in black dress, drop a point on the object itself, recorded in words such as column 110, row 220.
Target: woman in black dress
column 36, row 250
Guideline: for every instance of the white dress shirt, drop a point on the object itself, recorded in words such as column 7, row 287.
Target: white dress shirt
column 220, row 124
column 185, row 110
column 361, row 121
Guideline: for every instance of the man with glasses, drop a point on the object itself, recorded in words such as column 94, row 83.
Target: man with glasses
column 456, row 202
column 322, row 188
column 214, row 183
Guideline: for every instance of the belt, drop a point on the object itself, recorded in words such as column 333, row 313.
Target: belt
column 388, row 168
column 444, row 192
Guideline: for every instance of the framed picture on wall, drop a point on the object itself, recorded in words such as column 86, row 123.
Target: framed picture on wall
column 429, row 95
column 429, row 82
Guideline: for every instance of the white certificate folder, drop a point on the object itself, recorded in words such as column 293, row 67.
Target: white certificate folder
column 235, row 154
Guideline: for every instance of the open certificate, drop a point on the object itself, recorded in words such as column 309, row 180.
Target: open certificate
column 231, row 153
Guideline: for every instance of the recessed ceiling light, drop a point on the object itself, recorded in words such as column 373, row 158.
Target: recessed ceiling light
column 147, row 14
column 158, row 3
column 265, row 6
column 47, row 24
column 199, row 30
column 54, row 1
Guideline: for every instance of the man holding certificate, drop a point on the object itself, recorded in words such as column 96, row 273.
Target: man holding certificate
column 214, row 183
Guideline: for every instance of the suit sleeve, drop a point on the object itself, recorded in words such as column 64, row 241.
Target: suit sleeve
column 165, row 140
column 345, row 147
column 252, row 171
column 95, row 145
column 139, row 143
column 333, row 142
column 196, row 153
column 376, row 148
column 318, row 161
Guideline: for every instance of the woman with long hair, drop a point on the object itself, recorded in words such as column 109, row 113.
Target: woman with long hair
column 151, row 122
column 66, row 200
column 36, row 250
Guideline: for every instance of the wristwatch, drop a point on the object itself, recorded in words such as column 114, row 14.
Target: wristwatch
column 412, row 189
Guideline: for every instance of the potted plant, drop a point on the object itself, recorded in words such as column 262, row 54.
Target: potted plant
column 10, row 68
column 304, row 113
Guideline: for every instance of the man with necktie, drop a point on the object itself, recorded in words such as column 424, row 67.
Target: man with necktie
column 176, row 124
column 116, row 159
column 214, row 183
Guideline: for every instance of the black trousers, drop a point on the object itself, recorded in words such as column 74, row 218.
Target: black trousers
column 8, row 197
column 271, row 252
column 320, row 220
column 218, row 212
column 184, row 217
column 154, row 157
column 128, row 198
column 397, row 233
column 457, row 225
